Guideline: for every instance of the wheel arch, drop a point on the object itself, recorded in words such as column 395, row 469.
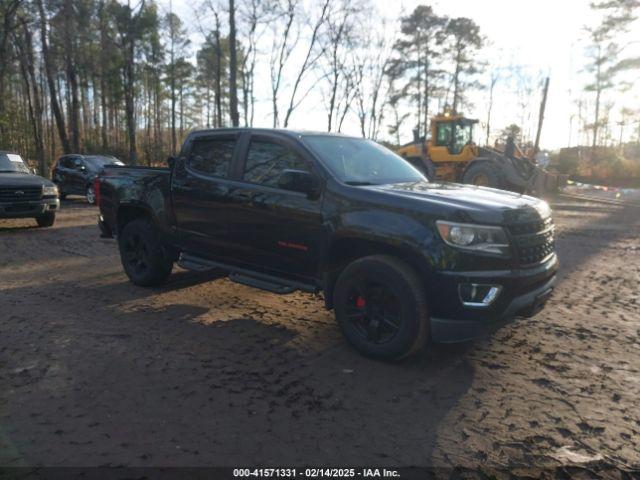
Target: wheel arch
column 129, row 212
column 345, row 250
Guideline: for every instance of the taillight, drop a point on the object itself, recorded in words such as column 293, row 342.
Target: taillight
column 96, row 190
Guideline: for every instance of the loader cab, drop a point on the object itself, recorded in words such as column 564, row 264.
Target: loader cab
column 452, row 139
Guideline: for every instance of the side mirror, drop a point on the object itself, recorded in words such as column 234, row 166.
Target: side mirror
column 299, row 181
column 171, row 161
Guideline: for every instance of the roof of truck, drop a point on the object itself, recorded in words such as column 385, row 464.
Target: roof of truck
column 281, row 131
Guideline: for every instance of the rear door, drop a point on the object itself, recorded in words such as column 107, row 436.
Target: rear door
column 200, row 190
column 273, row 229
column 64, row 173
column 79, row 175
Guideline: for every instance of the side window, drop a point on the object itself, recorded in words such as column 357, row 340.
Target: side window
column 266, row 160
column 444, row 134
column 212, row 156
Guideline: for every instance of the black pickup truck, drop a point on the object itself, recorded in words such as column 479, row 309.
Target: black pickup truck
column 400, row 259
column 24, row 194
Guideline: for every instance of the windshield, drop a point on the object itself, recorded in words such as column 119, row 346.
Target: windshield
column 97, row 162
column 357, row 161
column 463, row 135
column 454, row 135
column 10, row 162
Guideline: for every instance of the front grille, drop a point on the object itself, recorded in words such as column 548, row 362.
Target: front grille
column 534, row 241
column 20, row 194
column 21, row 208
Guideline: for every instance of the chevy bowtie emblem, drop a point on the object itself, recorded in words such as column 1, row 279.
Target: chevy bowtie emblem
column 19, row 192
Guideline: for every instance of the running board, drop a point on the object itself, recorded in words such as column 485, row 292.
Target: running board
column 195, row 264
column 261, row 284
column 245, row 276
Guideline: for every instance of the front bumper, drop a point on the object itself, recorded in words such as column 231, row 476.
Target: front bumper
column 524, row 293
column 30, row 209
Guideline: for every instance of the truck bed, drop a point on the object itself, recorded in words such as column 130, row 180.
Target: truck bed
column 130, row 187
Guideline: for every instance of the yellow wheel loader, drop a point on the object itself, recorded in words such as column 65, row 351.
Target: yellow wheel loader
column 451, row 155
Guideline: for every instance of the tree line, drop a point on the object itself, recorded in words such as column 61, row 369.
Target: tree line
column 131, row 78
column 611, row 70
column 124, row 78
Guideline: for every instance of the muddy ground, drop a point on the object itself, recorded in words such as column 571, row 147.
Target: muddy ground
column 96, row 371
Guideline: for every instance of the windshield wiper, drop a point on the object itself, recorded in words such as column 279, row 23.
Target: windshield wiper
column 355, row 183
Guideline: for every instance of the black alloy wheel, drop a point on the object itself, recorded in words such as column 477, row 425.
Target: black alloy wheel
column 374, row 311
column 144, row 258
column 380, row 305
column 135, row 253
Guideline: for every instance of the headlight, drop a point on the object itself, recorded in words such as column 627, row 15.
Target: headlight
column 50, row 191
column 476, row 238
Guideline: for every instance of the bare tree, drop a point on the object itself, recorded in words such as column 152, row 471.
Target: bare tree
column 130, row 30
column 69, row 36
column 371, row 68
column 253, row 14
column 233, row 66
column 50, row 72
column 338, row 41
column 310, row 60
column 493, row 80
column 281, row 50
column 177, row 43
column 8, row 15
column 24, row 45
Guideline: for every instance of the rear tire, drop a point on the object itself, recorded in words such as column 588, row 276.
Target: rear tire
column 380, row 305
column 90, row 195
column 482, row 174
column 144, row 259
column 46, row 219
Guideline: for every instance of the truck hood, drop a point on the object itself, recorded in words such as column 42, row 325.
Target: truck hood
column 23, row 180
column 469, row 203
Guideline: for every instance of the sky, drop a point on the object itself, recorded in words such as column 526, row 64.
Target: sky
column 541, row 37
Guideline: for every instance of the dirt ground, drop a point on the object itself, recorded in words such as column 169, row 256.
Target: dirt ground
column 96, row 371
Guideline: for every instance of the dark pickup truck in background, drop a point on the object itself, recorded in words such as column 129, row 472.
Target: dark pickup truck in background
column 24, row 194
column 399, row 259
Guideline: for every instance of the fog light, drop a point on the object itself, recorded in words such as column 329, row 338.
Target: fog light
column 477, row 294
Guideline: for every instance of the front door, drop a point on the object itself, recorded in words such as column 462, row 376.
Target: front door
column 79, row 176
column 273, row 229
column 200, row 188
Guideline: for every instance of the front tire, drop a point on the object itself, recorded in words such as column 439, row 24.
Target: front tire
column 46, row 219
column 482, row 174
column 144, row 259
column 380, row 305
